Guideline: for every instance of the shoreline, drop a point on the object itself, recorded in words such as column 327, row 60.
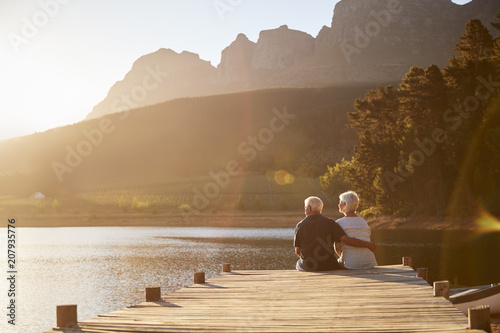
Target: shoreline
column 250, row 219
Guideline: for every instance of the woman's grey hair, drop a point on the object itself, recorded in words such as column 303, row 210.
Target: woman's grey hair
column 315, row 203
column 351, row 199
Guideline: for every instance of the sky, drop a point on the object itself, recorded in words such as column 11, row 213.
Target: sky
column 59, row 58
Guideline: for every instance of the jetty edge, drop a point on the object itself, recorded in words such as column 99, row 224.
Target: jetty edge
column 382, row 299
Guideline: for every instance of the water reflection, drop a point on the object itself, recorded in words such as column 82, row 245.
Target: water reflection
column 461, row 257
column 105, row 269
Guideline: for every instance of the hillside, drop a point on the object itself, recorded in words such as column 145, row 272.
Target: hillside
column 300, row 130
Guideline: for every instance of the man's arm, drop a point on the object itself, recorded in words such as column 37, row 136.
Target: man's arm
column 297, row 251
column 338, row 248
column 358, row 243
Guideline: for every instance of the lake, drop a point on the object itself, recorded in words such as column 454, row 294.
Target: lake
column 105, row 269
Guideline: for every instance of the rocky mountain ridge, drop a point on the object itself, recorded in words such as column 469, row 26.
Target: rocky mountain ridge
column 369, row 41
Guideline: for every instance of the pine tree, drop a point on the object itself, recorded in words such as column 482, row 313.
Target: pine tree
column 474, row 61
column 377, row 121
column 424, row 97
column 496, row 25
column 475, row 48
column 476, row 43
column 496, row 47
column 437, row 133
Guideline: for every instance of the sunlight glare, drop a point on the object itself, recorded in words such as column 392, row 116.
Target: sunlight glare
column 486, row 222
column 41, row 95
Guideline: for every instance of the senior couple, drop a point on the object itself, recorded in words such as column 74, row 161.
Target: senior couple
column 318, row 238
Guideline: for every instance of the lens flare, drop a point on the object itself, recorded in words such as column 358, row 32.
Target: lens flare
column 486, row 222
column 283, row 177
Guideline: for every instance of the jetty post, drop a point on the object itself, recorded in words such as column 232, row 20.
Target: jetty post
column 423, row 273
column 66, row 315
column 152, row 294
column 479, row 318
column 199, row 277
column 407, row 261
column 442, row 288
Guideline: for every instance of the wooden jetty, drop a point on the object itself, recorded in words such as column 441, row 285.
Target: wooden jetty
column 382, row 299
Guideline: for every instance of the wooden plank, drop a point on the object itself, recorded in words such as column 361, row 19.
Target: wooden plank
column 382, row 299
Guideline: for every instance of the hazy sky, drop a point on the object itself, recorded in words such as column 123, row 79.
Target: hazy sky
column 60, row 57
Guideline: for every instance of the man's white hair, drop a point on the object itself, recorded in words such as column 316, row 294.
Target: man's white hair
column 315, row 203
column 351, row 199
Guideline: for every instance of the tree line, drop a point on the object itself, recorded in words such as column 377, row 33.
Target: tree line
column 432, row 145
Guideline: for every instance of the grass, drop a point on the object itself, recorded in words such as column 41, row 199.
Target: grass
column 245, row 193
column 166, row 204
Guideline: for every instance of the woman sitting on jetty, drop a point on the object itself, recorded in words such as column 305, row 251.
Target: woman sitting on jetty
column 354, row 226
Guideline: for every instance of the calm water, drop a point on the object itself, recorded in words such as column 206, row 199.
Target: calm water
column 105, row 269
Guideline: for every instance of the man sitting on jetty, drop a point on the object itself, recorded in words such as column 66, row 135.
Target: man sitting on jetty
column 315, row 236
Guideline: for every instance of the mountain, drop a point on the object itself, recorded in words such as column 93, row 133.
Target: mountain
column 158, row 77
column 245, row 64
column 384, row 32
column 281, row 48
column 236, row 62
column 297, row 129
column 369, row 41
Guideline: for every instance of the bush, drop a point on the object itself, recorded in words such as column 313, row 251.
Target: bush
column 122, row 204
column 370, row 213
column 185, row 207
column 139, row 205
column 403, row 212
column 240, row 204
column 56, row 205
column 335, row 180
column 40, row 205
column 284, row 204
column 257, row 202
